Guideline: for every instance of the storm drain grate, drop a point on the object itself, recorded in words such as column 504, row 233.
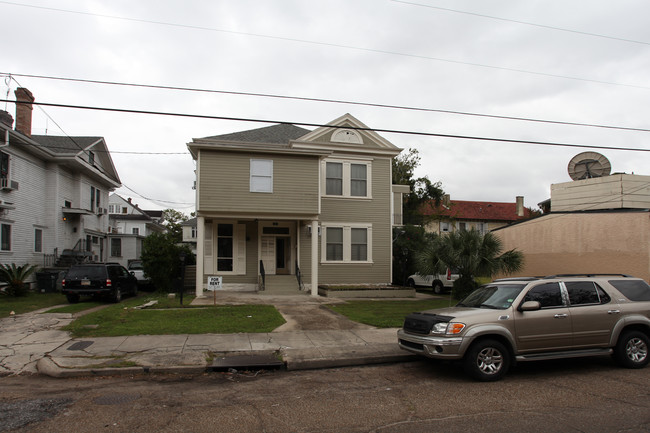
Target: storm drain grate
column 116, row 399
column 80, row 345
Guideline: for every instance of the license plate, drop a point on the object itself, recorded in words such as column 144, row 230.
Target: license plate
column 85, row 282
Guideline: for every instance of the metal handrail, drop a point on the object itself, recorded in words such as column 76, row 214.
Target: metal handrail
column 299, row 277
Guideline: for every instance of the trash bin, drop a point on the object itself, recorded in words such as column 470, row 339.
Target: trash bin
column 46, row 281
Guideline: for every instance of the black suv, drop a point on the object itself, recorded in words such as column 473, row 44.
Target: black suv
column 110, row 280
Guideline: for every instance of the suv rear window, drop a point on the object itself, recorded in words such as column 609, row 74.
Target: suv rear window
column 586, row 293
column 89, row 272
column 634, row 290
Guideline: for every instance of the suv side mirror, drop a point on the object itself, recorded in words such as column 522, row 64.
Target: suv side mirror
column 530, row 306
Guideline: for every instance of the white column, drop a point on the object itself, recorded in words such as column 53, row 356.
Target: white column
column 200, row 252
column 314, row 258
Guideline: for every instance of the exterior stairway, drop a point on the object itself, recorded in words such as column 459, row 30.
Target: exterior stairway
column 281, row 285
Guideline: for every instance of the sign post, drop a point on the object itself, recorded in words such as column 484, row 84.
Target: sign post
column 215, row 283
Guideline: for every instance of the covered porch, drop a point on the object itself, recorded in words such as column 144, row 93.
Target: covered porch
column 272, row 254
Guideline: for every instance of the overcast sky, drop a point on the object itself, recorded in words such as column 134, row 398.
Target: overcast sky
column 579, row 61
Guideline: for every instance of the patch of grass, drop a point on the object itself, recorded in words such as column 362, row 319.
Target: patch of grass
column 33, row 301
column 119, row 320
column 75, row 308
column 386, row 314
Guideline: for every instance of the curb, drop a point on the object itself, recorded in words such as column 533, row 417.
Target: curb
column 48, row 367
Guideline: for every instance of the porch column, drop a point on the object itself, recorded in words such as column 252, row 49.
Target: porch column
column 314, row 258
column 200, row 252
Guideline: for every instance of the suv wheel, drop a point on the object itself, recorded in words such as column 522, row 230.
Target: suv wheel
column 117, row 295
column 72, row 298
column 411, row 283
column 632, row 350
column 437, row 287
column 487, row 360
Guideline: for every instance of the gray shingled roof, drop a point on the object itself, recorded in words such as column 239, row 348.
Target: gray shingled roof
column 282, row 133
column 60, row 144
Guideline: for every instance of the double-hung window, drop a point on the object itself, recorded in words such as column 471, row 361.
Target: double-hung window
column 334, row 244
column 358, row 180
column 334, row 178
column 347, row 243
column 261, row 175
column 116, row 247
column 4, row 169
column 38, row 240
column 359, row 244
column 5, row 237
column 349, row 179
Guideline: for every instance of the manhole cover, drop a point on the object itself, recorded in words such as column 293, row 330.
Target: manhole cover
column 80, row 345
column 116, row 399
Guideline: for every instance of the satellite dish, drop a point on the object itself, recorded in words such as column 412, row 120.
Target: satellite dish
column 587, row 165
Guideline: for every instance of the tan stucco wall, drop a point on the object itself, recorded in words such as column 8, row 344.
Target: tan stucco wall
column 607, row 242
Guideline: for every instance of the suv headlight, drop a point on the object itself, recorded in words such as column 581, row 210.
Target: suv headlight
column 448, row 328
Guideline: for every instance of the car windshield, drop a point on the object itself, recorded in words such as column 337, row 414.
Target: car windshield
column 497, row 296
column 135, row 266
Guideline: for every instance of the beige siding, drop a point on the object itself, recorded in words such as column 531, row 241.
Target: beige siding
column 375, row 211
column 616, row 242
column 225, row 184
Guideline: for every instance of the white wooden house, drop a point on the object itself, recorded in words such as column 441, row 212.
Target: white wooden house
column 53, row 193
column 128, row 226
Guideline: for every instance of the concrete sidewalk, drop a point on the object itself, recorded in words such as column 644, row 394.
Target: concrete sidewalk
column 313, row 337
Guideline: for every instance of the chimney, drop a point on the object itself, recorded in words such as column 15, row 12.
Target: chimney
column 6, row 119
column 520, row 205
column 446, row 200
column 24, row 99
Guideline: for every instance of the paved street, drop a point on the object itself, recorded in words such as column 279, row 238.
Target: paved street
column 590, row 395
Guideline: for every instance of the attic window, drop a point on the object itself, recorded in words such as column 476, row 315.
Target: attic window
column 346, row 136
column 91, row 158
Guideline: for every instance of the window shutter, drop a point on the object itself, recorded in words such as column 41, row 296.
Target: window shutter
column 240, row 236
column 208, row 262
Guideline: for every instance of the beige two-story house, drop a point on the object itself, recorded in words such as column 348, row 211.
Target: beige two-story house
column 284, row 208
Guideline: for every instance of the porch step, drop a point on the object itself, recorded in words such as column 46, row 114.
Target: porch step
column 281, row 285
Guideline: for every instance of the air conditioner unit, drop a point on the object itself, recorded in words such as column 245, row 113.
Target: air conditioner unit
column 8, row 184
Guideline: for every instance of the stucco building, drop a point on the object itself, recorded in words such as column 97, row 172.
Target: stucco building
column 599, row 225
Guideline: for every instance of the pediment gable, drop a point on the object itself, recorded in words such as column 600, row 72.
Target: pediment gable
column 348, row 131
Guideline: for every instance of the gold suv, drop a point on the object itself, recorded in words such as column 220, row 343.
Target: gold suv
column 528, row 319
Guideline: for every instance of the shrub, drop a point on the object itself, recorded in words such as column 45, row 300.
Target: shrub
column 15, row 277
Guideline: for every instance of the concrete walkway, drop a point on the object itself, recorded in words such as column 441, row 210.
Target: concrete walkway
column 313, row 337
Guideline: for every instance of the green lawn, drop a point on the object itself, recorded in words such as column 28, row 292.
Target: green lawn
column 386, row 314
column 167, row 317
column 31, row 302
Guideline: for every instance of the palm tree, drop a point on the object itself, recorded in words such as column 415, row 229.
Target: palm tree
column 473, row 254
column 15, row 277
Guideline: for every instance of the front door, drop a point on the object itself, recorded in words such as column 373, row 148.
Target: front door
column 282, row 255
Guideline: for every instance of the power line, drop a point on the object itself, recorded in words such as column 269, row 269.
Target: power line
column 597, row 35
column 334, row 101
column 326, row 44
column 319, row 125
column 156, row 201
